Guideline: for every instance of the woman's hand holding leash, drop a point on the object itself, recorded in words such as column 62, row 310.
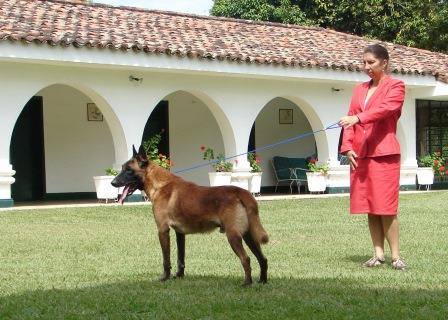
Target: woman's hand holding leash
column 348, row 121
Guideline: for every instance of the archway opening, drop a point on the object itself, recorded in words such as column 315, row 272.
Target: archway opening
column 281, row 119
column 59, row 142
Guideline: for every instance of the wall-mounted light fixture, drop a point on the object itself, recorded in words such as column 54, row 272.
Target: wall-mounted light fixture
column 135, row 79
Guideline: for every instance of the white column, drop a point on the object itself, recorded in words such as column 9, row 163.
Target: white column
column 10, row 110
column 329, row 109
column 131, row 112
column 6, row 179
column 406, row 133
column 241, row 174
column 241, row 115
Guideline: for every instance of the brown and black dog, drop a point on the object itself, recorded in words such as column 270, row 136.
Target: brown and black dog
column 188, row 208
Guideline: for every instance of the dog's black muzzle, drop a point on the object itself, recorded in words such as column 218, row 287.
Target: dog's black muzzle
column 129, row 181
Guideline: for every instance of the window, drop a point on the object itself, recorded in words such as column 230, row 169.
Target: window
column 432, row 126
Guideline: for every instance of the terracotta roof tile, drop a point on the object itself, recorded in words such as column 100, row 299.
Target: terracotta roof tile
column 157, row 32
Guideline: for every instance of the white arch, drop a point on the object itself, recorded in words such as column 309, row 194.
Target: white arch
column 115, row 127
column 313, row 119
column 221, row 118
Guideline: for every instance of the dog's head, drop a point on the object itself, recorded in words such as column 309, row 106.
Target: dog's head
column 132, row 174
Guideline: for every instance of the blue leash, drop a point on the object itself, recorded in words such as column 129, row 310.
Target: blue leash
column 286, row 141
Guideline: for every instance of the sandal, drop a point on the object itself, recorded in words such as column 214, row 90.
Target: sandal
column 398, row 264
column 373, row 262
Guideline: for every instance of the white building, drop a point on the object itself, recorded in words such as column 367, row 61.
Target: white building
column 211, row 78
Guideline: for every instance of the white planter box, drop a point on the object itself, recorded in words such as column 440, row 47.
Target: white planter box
column 241, row 179
column 255, row 182
column 104, row 190
column 317, row 182
column 425, row 176
column 219, row 178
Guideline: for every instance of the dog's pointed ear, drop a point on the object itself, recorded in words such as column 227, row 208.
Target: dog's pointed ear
column 134, row 152
column 142, row 156
column 142, row 153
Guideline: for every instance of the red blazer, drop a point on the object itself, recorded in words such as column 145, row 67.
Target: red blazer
column 374, row 135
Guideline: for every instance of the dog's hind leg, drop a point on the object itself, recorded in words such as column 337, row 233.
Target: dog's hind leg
column 180, row 240
column 256, row 250
column 236, row 242
column 164, row 238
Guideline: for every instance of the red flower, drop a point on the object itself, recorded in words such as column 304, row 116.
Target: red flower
column 442, row 169
column 436, row 162
column 313, row 161
column 202, row 147
column 446, row 172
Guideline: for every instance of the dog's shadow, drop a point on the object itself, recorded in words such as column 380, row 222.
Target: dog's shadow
column 210, row 296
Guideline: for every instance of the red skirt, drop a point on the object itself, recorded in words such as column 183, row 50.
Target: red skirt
column 374, row 185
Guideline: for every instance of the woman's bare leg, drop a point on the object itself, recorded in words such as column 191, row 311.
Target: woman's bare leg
column 391, row 232
column 377, row 235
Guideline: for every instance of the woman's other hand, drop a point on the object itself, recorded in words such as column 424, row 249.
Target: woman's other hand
column 351, row 155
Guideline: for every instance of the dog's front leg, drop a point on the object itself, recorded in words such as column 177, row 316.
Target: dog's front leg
column 180, row 239
column 164, row 238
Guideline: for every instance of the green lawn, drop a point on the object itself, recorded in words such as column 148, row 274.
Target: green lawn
column 103, row 263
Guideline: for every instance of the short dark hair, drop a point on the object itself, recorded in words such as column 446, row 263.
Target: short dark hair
column 378, row 51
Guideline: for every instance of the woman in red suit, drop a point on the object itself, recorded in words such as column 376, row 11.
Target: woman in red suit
column 371, row 146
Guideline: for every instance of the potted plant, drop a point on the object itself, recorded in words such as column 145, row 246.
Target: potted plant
column 440, row 165
column 316, row 177
column 255, row 181
column 103, row 187
column 431, row 165
column 425, row 172
column 223, row 169
column 151, row 147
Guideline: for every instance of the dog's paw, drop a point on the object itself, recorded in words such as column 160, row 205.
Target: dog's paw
column 247, row 283
column 164, row 277
column 180, row 275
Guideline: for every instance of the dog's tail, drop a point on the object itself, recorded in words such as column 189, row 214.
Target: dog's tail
column 255, row 228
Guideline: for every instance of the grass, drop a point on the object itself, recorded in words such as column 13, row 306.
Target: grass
column 103, row 263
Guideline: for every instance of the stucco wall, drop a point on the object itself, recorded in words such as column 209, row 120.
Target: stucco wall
column 221, row 116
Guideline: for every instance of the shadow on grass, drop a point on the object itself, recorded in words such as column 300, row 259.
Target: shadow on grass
column 358, row 259
column 213, row 297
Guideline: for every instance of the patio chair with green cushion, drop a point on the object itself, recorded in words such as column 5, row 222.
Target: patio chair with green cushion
column 290, row 170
